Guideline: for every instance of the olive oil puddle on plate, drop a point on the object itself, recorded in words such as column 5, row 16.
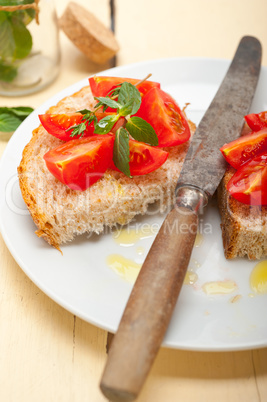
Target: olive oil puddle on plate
column 190, row 278
column 219, row 287
column 124, row 267
column 126, row 237
column 130, row 236
column 257, row 281
column 129, row 269
column 258, row 278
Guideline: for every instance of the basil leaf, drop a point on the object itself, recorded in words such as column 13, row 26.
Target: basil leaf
column 15, row 38
column 22, row 38
column 129, row 96
column 105, row 125
column 26, row 16
column 8, row 122
column 15, row 2
column 108, row 102
column 11, row 117
column 121, row 152
column 7, row 72
column 140, row 130
column 114, row 91
column 7, row 42
column 127, row 109
column 21, row 111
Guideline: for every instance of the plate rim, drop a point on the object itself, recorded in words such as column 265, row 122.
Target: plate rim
column 59, row 95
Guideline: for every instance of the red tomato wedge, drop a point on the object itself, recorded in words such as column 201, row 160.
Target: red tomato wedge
column 80, row 163
column 257, row 121
column 244, row 148
column 249, row 184
column 102, row 85
column 161, row 111
column 144, row 158
column 58, row 124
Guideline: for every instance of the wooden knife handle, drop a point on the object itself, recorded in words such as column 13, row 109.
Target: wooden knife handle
column 150, row 306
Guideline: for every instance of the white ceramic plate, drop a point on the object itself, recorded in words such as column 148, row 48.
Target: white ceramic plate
column 81, row 280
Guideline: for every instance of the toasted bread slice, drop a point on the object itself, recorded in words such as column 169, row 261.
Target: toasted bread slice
column 244, row 227
column 61, row 213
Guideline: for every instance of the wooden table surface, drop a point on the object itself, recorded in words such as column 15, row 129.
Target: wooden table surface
column 48, row 354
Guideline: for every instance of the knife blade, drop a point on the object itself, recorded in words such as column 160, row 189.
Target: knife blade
column 149, row 309
column 224, row 120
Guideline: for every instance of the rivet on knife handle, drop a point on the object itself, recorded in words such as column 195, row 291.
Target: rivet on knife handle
column 154, row 295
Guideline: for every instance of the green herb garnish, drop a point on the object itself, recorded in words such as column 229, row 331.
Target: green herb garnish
column 121, row 152
column 106, row 102
column 130, row 99
column 79, row 129
column 105, row 125
column 142, row 131
column 126, row 100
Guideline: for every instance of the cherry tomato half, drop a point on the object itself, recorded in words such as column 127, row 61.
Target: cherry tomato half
column 257, row 121
column 144, row 158
column 244, row 148
column 80, row 163
column 249, row 183
column 58, row 124
column 161, row 111
column 102, row 85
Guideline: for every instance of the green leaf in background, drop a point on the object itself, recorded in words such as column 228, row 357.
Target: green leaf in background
column 105, row 125
column 130, row 97
column 22, row 38
column 121, row 152
column 8, row 122
column 7, row 72
column 7, row 42
column 15, row 38
column 140, row 130
column 26, row 16
column 15, row 2
column 11, row 118
column 20, row 111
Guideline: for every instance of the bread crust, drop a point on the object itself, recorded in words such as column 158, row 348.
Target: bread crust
column 244, row 227
column 61, row 213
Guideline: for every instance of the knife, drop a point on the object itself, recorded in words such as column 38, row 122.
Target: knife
column 154, row 295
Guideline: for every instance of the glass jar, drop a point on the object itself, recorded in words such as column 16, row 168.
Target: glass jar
column 29, row 46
